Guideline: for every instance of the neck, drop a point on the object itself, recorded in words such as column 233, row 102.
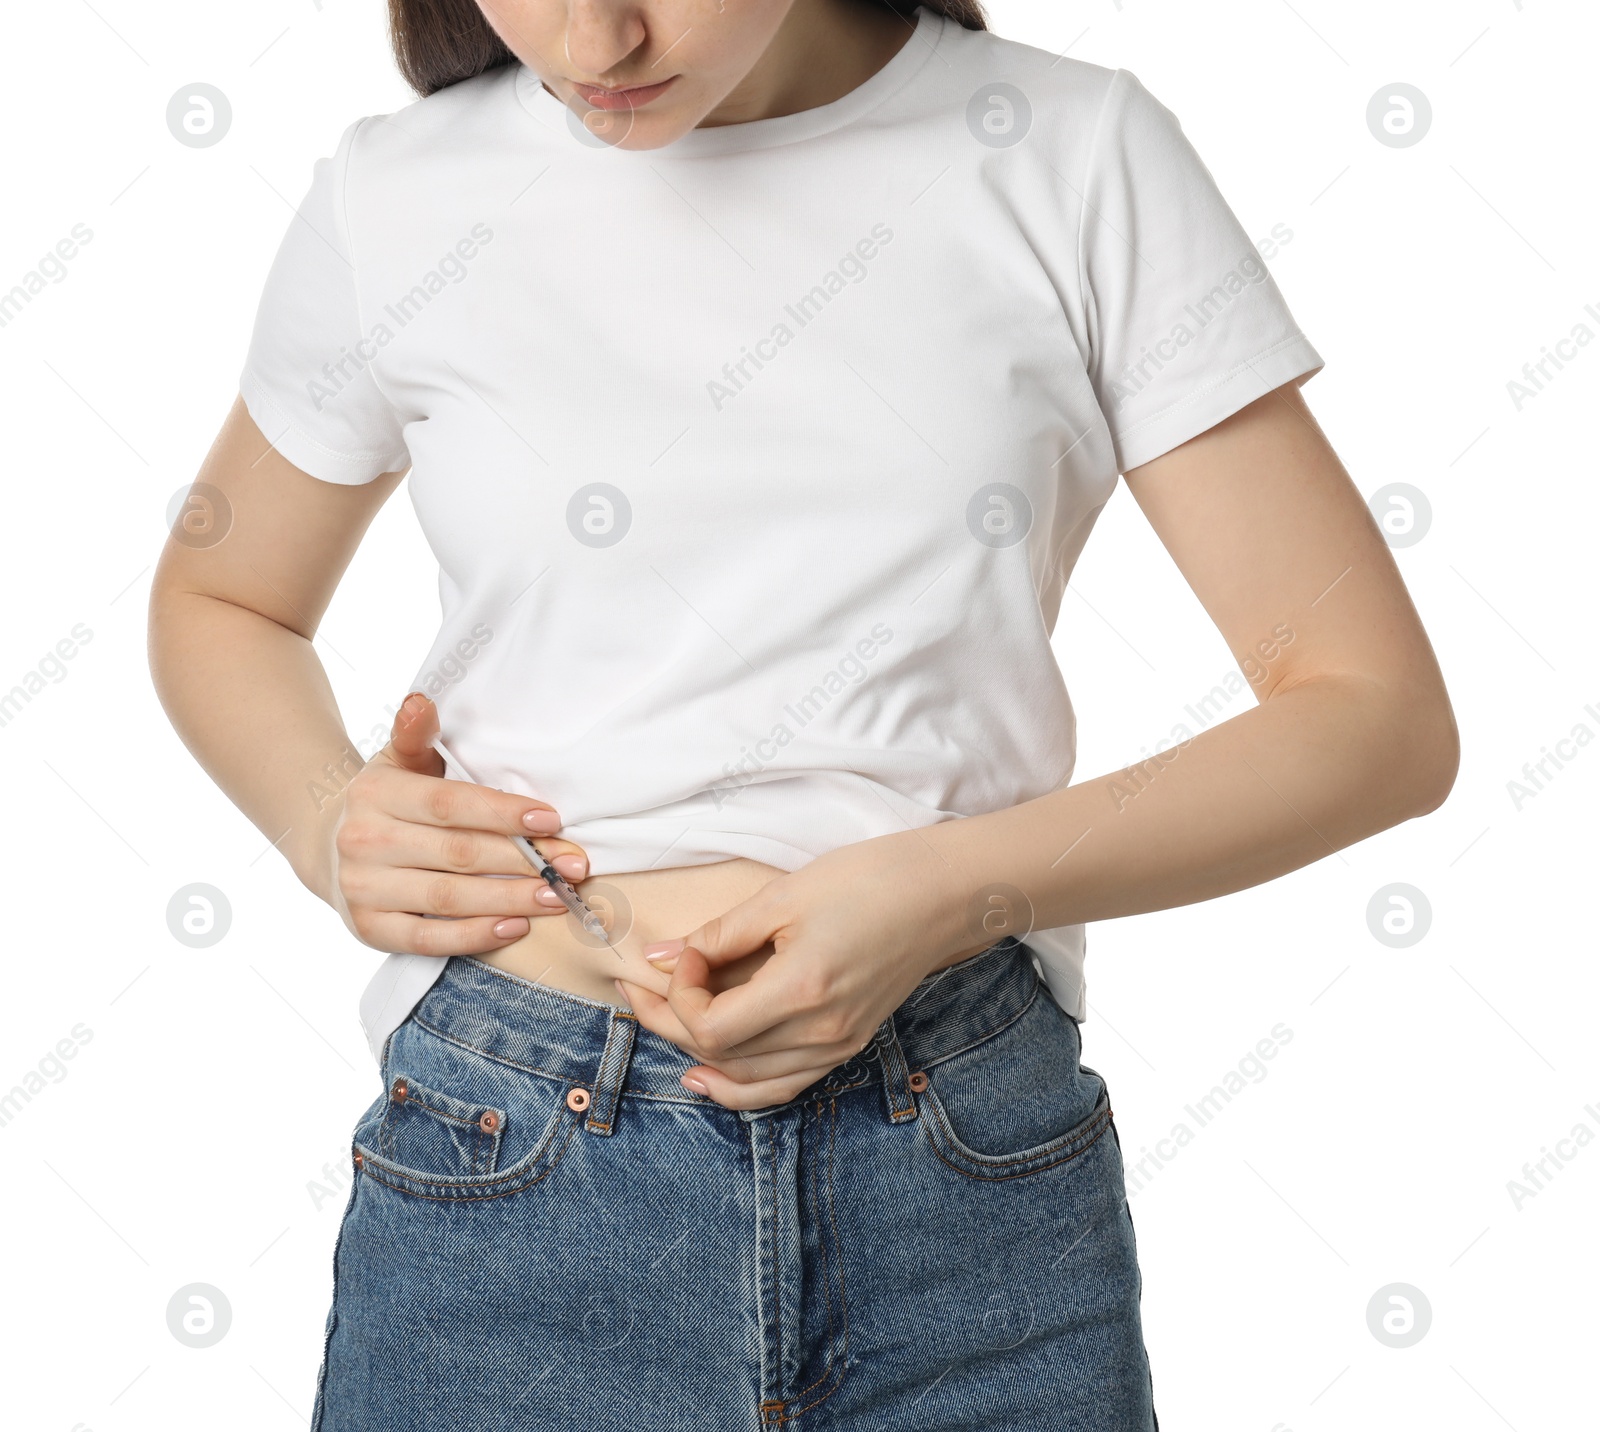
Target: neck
column 822, row 51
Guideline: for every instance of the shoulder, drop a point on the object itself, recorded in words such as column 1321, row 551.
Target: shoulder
column 424, row 161
column 439, row 126
column 1005, row 91
column 1055, row 87
column 1104, row 127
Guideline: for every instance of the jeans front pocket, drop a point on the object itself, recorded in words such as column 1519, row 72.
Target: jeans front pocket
column 1017, row 1102
column 426, row 1129
column 456, row 1125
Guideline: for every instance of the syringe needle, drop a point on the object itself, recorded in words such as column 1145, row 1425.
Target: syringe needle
column 591, row 923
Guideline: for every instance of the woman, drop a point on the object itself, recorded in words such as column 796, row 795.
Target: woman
column 760, row 370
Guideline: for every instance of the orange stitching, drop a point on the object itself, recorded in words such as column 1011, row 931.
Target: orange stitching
column 555, row 1158
column 440, row 1113
column 1104, row 1123
column 1026, row 1156
column 822, row 1243
column 530, row 1159
column 486, row 1149
column 901, row 1067
column 551, row 1073
column 844, row 1301
column 618, row 1051
column 777, row 1291
column 830, row 1088
column 895, row 1064
column 983, row 1038
column 479, row 1157
column 497, row 1058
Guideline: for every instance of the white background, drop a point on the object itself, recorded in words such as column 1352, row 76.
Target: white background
column 188, row 1139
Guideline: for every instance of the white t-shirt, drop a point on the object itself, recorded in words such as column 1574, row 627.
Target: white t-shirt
column 756, row 465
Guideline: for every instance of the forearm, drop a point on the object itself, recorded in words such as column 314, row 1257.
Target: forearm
column 251, row 701
column 1313, row 769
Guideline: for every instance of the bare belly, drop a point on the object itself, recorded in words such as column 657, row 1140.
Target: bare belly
column 639, row 908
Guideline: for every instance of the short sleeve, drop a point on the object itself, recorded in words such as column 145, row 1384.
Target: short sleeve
column 307, row 378
column 1185, row 324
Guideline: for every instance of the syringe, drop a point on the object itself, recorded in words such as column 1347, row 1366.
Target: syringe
column 569, row 897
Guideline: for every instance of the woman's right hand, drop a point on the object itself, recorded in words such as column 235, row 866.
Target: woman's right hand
column 408, row 843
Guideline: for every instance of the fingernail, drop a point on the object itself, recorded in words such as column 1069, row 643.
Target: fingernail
column 574, row 867
column 542, row 822
column 546, row 896
column 515, row 925
column 662, row 948
column 695, row 1082
column 663, row 960
column 412, row 708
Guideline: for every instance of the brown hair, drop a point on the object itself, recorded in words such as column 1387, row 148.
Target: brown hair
column 438, row 43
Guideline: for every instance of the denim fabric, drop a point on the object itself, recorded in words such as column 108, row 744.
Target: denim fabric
column 548, row 1231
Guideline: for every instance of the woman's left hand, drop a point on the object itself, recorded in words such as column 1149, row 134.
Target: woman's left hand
column 850, row 934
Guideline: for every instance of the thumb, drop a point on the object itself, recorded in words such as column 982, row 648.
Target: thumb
column 416, row 723
column 723, row 939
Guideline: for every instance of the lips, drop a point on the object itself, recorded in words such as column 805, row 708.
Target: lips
column 631, row 97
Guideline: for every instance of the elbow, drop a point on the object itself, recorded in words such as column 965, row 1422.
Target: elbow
column 1431, row 745
column 1397, row 750
column 1439, row 776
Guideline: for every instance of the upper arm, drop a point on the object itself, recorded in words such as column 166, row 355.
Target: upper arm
column 263, row 534
column 312, row 447
column 1278, row 545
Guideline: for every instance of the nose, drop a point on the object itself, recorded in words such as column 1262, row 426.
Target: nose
column 600, row 35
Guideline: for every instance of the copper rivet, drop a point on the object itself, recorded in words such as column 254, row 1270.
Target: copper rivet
column 359, row 1159
column 400, row 1091
column 578, row 1099
column 919, row 1082
column 489, row 1121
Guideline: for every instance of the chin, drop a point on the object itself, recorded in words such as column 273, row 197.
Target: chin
column 651, row 133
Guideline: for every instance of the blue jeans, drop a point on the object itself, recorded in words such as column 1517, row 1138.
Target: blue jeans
column 548, row 1231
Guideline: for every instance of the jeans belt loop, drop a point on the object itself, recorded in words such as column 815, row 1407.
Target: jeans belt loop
column 613, row 1071
column 896, row 1074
